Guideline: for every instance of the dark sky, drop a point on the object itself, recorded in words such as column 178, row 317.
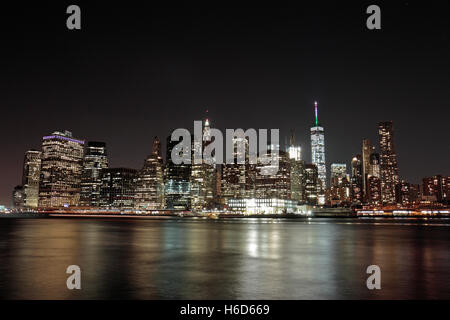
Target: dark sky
column 137, row 70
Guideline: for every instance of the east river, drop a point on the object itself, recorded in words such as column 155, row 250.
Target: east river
column 189, row 258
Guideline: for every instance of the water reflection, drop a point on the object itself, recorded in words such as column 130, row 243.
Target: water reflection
column 232, row 259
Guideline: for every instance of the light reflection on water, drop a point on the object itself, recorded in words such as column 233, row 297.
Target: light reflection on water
column 224, row 259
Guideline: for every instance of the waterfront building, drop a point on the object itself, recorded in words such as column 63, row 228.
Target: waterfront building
column 388, row 162
column 415, row 193
column 294, row 151
column 30, row 178
column 297, row 180
column 177, row 189
column 203, row 175
column 278, row 185
column 356, row 180
column 150, row 181
column 446, row 189
column 61, row 169
column 438, row 187
column 318, row 150
column 338, row 173
column 403, row 193
column 95, row 160
column 238, row 180
column 297, row 167
column 367, row 150
column 339, row 192
column 373, row 190
column 218, row 199
column 118, row 188
column 311, row 177
column 374, row 168
column 263, row 206
column 18, row 198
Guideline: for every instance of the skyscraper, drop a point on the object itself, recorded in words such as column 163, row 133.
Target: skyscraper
column 388, row 162
column 95, row 160
column 375, row 165
column 339, row 192
column 356, row 180
column 203, row 175
column 318, row 150
column 438, row 187
column 150, row 181
column 238, row 180
column 373, row 188
column 18, row 198
column 367, row 150
column 118, row 188
column 61, row 168
column 177, row 186
column 30, row 178
column 311, row 177
column 297, row 167
column 294, row 151
column 338, row 173
column 403, row 193
column 278, row 185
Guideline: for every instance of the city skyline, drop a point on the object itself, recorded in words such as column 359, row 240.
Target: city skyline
column 70, row 172
column 367, row 170
column 256, row 68
column 228, row 159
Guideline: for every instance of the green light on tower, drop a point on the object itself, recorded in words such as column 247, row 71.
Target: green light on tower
column 317, row 119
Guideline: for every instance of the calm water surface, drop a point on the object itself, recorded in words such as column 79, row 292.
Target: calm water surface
column 224, row 259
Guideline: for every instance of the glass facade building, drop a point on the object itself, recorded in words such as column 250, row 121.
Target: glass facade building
column 118, row 188
column 356, row 180
column 203, row 176
column 311, row 177
column 30, row 178
column 338, row 173
column 150, row 181
column 318, row 151
column 177, row 187
column 95, row 160
column 238, row 180
column 278, row 185
column 388, row 162
column 61, row 169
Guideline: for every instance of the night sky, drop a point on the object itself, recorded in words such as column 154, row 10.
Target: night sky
column 137, row 70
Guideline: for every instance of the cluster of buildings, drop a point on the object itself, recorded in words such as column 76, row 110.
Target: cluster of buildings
column 72, row 173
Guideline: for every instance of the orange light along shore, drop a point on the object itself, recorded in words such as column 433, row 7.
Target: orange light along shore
column 426, row 213
column 387, row 212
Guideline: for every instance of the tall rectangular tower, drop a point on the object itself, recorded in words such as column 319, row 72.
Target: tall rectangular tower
column 388, row 162
column 367, row 150
column 95, row 160
column 61, row 167
column 30, row 178
column 318, row 149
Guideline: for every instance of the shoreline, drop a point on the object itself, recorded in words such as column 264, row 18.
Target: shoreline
column 215, row 217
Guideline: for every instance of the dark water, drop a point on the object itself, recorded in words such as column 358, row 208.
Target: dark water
column 217, row 259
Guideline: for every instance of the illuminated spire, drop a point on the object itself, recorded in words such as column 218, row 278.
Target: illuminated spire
column 316, row 111
column 207, row 120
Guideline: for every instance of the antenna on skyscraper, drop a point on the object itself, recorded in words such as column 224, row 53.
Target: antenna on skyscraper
column 207, row 119
column 316, row 113
column 292, row 138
